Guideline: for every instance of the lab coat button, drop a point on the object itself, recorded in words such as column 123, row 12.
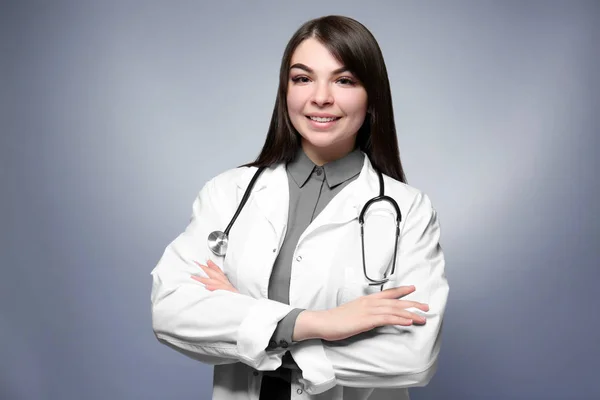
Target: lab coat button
column 283, row 344
column 274, row 250
column 299, row 258
column 255, row 373
column 299, row 391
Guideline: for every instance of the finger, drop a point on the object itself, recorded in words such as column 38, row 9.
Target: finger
column 403, row 304
column 210, row 264
column 201, row 279
column 213, row 284
column 394, row 293
column 209, row 284
column 383, row 320
column 211, row 272
column 408, row 304
column 399, row 313
column 218, row 270
column 206, row 281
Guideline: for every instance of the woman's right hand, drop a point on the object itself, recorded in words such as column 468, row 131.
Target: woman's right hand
column 360, row 315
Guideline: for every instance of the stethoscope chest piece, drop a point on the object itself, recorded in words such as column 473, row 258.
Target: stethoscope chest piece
column 217, row 242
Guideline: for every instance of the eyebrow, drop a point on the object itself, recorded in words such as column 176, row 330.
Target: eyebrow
column 310, row 71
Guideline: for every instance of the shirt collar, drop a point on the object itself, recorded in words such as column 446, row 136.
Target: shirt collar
column 336, row 172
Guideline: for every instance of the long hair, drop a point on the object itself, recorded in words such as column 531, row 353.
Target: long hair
column 353, row 45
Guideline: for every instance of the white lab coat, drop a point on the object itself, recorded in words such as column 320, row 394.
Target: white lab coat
column 231, row 330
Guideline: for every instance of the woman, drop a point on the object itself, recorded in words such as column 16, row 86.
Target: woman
column 289, row 311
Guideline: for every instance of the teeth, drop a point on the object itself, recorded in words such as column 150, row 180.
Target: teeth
column 319, row 119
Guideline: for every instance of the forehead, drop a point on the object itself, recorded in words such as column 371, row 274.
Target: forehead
column 315, row 55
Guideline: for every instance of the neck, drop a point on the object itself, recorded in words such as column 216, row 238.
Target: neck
column 323, row 155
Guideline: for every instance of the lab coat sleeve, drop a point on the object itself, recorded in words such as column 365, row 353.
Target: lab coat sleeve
column 390, row 356
column 216, row 327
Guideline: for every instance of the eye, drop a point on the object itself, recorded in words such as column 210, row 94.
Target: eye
column 300, row 79
column 346, row 81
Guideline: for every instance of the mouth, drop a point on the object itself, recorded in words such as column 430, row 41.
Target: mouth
column 322, row 119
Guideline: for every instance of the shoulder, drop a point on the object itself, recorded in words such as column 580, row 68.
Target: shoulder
column 220, row 192
column 410, row 199
column 233, row 179
column 417, row 212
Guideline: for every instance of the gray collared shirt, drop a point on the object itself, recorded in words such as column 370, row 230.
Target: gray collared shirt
column 311, row 188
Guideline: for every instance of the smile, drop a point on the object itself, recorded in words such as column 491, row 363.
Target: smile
column 323, row 119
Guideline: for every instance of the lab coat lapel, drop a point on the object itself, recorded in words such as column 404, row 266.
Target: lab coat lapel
column 347, row 204
column 270, row 194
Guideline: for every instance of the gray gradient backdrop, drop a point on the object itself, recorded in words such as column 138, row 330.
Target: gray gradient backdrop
column 114, row 114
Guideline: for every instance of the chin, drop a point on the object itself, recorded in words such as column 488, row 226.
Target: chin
column 321, row 140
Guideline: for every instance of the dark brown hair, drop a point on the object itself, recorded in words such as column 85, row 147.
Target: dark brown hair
column 354, row 46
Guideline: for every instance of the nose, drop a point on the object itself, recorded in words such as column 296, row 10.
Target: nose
column 322, row 95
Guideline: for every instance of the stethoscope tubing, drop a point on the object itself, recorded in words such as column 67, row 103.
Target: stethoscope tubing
column 244, row 199
column 218, row 241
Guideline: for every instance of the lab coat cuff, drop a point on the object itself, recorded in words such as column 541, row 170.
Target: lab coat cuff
column 285, row 330
column 318, row 374
column 256, row 330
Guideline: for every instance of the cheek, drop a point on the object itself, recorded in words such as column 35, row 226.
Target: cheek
column 294, row 102
column 353, row 104
column 295, row 107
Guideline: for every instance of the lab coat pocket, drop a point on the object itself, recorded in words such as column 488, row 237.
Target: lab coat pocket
column 376, row 262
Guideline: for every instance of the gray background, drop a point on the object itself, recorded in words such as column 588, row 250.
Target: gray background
column 114, row 114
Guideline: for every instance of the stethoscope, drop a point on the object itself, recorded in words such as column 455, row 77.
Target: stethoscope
column 217, row 240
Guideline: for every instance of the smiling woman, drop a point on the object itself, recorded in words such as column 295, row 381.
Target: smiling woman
column 326, row 103
column 333, row 67
column 291, row 301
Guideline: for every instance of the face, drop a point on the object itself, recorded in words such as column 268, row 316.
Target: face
column 326, row 103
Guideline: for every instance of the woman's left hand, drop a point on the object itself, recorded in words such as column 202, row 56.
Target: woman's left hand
column 216, row 280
